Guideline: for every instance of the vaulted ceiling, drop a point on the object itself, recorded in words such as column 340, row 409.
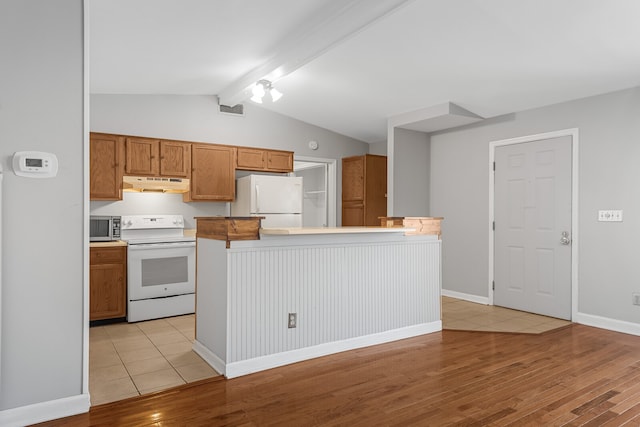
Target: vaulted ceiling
column 349, row 65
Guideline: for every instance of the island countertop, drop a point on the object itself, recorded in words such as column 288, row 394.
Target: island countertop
column 331, row 230
column 249, row 228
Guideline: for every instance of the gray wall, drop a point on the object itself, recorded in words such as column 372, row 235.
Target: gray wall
column 609, row 173
column 411, row 158
column 42, row 244
column 196, row 118
column 379, row 148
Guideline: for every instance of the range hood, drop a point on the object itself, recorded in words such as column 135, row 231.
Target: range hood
column 155, row 184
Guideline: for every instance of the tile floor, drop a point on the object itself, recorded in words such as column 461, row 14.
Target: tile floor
column 468, row 316
column 131, row 359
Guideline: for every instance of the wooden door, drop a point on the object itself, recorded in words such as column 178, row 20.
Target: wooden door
column 213, row 172
column 142, row 156
column 353, row 178
column 532, row 213
column 106, row 167
column 352, row 214
column 175, row 159
column 375, row 199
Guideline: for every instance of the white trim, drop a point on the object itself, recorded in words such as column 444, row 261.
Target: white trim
column 573, row 132
column 466, row 297
column 210, row 357
column 1, row 176
column 607, row 323
column 45, row 411
column 332, row 186
column 86, row 126
column 245, row 367
column 391, row 144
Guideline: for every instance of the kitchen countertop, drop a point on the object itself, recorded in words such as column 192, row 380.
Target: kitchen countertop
column 332, row 230
column 107, row 244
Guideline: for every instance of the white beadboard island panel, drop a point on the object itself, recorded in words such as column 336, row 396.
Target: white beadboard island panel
column 348, row 290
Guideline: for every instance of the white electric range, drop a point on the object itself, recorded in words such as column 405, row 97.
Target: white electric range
column 161, row 268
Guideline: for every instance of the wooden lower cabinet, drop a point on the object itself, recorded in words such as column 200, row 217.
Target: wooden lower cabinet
column 107, row 282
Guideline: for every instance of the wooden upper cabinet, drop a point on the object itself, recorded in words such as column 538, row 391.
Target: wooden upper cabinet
column 106, row 168
column 250, row 159
column 364, row 190
column 143, row 156
column 280, row 161
column 256, row 159
column 175, row 159
column 154, row 157
column 212, row 173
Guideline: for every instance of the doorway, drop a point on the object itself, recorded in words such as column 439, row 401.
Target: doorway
column 533, row 203
column 319, row 190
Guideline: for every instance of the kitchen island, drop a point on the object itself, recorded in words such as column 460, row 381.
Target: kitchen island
column 270, row 297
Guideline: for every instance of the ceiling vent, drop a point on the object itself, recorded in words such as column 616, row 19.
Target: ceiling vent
column 236, row 110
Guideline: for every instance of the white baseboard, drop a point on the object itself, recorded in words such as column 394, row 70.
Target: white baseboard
column 209, row 357
column 45, row 411
column 466, row 297
column 257, row 364
column 607, row 323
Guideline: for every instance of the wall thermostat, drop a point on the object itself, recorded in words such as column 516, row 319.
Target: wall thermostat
column 35, row 164
column 313, row 145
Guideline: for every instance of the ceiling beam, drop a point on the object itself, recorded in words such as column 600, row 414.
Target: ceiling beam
column 328, row 28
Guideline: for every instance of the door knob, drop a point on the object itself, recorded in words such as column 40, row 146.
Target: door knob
column 565, row 240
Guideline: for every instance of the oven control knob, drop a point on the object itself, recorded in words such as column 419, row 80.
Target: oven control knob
column 129, row 222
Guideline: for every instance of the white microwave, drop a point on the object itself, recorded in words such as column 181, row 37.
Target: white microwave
column 104, row 228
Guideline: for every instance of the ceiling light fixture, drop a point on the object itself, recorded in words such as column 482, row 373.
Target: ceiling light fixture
column 262, row 88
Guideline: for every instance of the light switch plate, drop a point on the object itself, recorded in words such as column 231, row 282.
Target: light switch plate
column 610, row 216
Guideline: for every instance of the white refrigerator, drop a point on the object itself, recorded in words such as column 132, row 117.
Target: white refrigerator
column 277, row 198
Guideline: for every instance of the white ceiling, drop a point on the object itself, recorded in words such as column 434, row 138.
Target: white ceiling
column 352, row 64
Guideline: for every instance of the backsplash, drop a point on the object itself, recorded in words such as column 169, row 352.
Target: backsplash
column 159, row 203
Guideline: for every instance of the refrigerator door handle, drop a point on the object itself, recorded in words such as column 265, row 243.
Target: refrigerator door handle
column 257, row 198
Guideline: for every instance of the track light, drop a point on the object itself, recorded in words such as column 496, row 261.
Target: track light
column 262, row 88
column 275, row 94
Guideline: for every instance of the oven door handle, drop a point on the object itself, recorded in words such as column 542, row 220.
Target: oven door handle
column 171, row 245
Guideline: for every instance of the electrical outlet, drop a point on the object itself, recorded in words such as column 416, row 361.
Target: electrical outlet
column 636, row 298
column 610, row 216
column 293, row 320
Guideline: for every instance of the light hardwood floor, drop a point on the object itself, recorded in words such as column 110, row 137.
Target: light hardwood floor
column 571, row 376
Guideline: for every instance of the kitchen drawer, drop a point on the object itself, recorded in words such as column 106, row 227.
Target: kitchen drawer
column 108, row 255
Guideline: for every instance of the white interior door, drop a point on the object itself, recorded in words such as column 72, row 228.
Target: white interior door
column 532, row 240
column 315, row 190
